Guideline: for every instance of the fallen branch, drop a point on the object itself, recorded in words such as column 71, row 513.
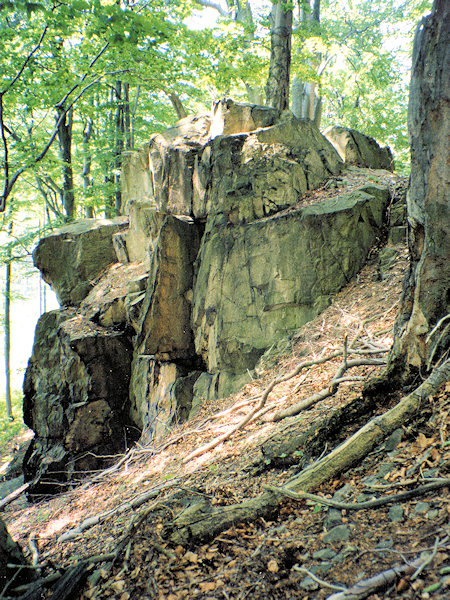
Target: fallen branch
column 263, row 399
column 15, row 494
column 420, row 491
column 98, row 518
column 364, row 588
column 204, row 521
column 317, row 579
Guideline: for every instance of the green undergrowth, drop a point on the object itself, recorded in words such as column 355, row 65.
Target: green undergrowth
column 11, row 429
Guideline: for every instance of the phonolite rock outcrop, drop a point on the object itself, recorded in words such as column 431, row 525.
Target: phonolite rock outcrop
column 223, row 250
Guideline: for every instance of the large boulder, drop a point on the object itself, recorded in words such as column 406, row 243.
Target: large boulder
column 258, row 282
column 228, row 251
column 75, row 397
column 108, row 303
column 248, row 176
column 248, row 162
column 145, row 223
column 72, row 257
column 230, row 117
column 358, row 149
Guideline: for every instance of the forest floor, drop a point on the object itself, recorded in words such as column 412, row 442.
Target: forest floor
column 302, row 549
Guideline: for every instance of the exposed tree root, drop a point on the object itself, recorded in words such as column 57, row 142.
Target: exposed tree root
column 420, row 491
column 260, row 408
column 203, row 521
column 325, row 392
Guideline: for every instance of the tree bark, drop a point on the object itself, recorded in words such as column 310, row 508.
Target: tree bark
column 277, row 87
column 87, row 179
column 118, row 146
column 65, row 149
column 422, row 334
column 127, row 116
column 7, row 316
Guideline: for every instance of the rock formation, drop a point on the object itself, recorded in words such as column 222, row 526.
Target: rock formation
column 224, row 250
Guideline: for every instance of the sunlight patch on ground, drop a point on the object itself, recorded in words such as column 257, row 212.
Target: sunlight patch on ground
column 56, row 525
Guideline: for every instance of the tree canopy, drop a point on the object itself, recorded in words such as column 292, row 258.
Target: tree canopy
column 84, row 80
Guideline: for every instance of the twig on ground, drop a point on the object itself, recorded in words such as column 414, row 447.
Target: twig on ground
column 325, row 392
column 96, row 519
column 364, row 588
column 427, row 560
column 257, row 411
column 420, row 491
column 319, row 581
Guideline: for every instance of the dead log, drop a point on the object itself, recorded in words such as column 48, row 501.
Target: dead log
column 202, row 521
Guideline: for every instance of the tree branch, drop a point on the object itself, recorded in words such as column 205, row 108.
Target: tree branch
column 26, row 61
column 214, row 5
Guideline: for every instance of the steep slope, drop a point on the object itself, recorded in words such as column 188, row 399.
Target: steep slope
column 299, row 547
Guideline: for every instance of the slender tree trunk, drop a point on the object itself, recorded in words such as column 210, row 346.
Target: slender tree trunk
column 133, row 115
column 422, row 334
column 127, row 116
column 87, row 179
column 306, row 102
column 118, row 146
column 277, row 87
column 7, row 316
column 108, row 165
column 178, row 105
column 65, row 148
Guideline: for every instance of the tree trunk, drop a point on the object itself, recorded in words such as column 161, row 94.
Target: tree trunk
column 65, row 149
column 306, row 102
column 127, row 116
column 108, row 164
column 10, row 553
column 422, row 332
column 7, row 316
column 277, row 87
column 118, row 146
column 178, row 105
column 87, row 179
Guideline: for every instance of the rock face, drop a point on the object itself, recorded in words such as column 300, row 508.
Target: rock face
column 164, row 328
column 358, row 149
column 71, row 258
column 227, row 252
column 75, row 396
column 247, row 176
column 258, row 282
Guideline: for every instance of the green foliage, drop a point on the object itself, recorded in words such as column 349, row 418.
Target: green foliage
column 11, row 429
column 74, row 53
column 359, row 56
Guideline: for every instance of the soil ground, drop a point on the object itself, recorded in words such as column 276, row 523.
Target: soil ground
column 303, row 548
